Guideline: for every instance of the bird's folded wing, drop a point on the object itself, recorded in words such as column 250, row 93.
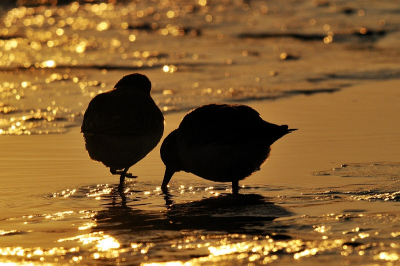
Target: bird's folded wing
column 111, row 114
column 221, row 124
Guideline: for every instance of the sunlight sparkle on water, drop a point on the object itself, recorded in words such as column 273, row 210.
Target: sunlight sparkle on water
column 48, row 63
column 102, row 241
column 107, row 243
column 100, row 190
column 387, row 256
column 5, row 232
column 169, row 68
column 65, row 193
column 87, row 226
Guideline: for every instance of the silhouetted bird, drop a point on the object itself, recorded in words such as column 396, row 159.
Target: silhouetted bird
column 123, row 125
column 223, row 143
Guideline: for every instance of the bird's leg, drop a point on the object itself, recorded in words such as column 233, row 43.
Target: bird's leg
column 235, row 187
column 121, row 178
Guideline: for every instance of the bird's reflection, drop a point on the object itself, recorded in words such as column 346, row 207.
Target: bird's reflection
column 167, row 197
column 244, row 213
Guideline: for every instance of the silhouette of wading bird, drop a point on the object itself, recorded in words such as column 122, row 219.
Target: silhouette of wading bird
column 123, row 125
column 223, row 143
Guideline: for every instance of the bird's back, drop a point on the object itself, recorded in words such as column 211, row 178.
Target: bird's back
column 233, row 124
column 119, row 113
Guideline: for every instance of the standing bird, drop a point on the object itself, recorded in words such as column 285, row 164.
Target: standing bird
column 220, row 142
column 123, row 125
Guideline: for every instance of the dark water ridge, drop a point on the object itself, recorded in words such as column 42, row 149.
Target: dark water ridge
column 361, row 37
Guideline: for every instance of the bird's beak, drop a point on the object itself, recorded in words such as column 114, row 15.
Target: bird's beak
column 167, row 177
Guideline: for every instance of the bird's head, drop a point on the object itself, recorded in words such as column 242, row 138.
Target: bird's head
column 169, row 156
column 135, row 81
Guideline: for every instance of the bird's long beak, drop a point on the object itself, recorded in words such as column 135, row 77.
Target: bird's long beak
column 167, row 177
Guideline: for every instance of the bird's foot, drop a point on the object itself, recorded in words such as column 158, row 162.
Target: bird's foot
column 122, row 173
column 129, row 175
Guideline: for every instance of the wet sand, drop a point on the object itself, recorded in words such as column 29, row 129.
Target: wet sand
column 356, row 125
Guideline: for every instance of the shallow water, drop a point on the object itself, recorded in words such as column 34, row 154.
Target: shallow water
column 58, row 207
column 202, row 225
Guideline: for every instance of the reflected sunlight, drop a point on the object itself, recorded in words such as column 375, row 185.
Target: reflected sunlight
column 107, row 243
column 48, row 63
column 101, row 241
column 169, row 68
